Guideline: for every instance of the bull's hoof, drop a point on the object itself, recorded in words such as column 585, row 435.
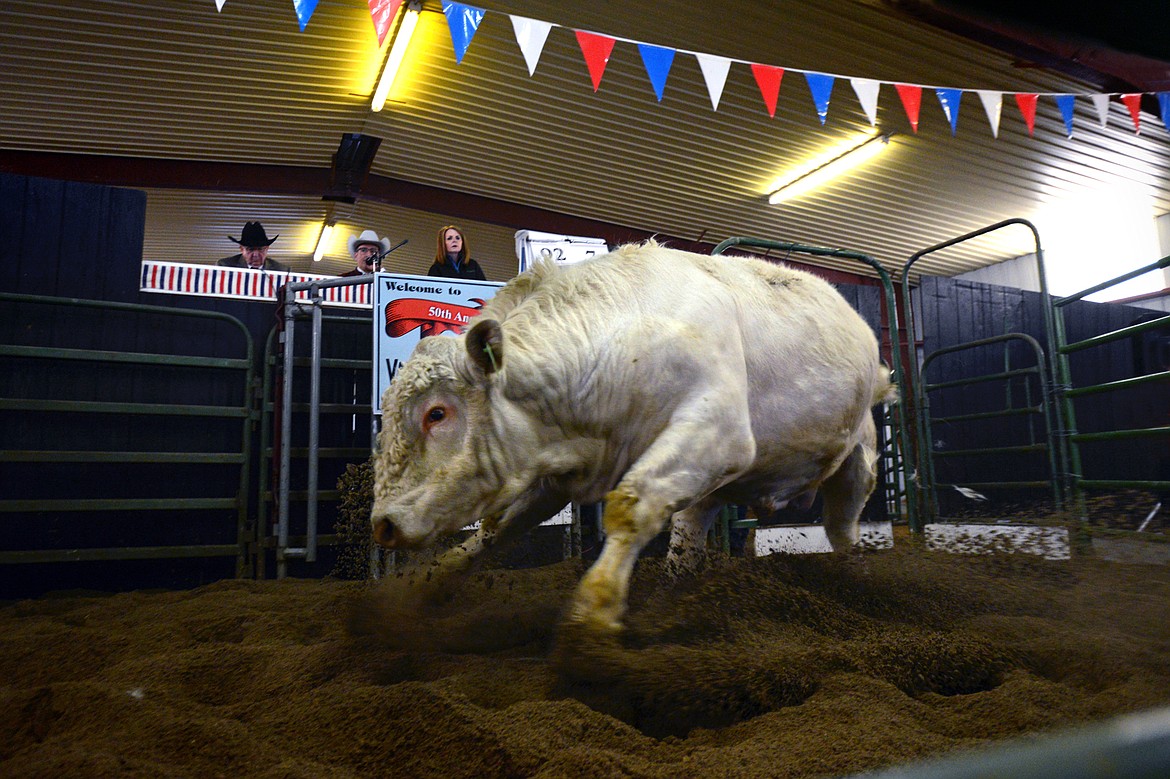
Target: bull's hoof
column 580, row 645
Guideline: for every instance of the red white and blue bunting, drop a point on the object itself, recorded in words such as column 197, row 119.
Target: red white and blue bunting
column 179, row 278
column 531, row 34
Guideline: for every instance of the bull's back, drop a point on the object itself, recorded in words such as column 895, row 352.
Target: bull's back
column 807, row 356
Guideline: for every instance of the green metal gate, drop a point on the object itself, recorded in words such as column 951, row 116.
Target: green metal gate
column 1159, row 430
column 84, row 396
column 1039, row 405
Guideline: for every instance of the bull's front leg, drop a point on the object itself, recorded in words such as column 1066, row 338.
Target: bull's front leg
column 667, row 478
column 600, row 600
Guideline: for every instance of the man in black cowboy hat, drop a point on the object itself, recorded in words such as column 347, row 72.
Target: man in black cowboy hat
column 254, row 243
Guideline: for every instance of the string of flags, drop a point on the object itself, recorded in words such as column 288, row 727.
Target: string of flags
column 464, row 20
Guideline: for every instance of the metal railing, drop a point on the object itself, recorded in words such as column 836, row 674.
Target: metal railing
column 1033, row 408
column 61, row 415
column 923, row 444
column 1077, row 479
column 283, row 450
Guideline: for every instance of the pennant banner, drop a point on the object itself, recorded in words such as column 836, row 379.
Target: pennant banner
column 821, row 87
column 1134, row 103
column 304, row 9
column 177, row 278
column 530, row 36
column 867, row 95
column 1065, row 104
column 596, row 49
column 1101, row 103
column 1027, row 104
column 949, row 100
column 382, row 14
column 768, row 78
column 993, row 106
column 911, row 95
column 657, row 61
column 464, row 21
column 714, row 74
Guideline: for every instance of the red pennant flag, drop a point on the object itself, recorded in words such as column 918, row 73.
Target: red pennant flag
column 1027, row 104
column 596, row 49
column 768, row 78
column 382, row 13
column 1133, row 102
column 912, row 101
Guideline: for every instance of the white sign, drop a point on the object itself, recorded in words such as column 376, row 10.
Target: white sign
column 409, row 308
column 564, row 249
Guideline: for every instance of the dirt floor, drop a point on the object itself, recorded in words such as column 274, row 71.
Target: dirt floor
column 783, row 666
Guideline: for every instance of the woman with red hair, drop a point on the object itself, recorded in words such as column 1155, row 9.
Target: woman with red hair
column 452, row 258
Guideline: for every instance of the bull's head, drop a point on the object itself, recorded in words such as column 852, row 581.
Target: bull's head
column 434, row 472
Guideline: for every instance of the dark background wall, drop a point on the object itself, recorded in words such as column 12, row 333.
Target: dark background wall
column 72, row 240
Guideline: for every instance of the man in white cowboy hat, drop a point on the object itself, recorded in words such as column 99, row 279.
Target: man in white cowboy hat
column 367, row 250
column 253, row 243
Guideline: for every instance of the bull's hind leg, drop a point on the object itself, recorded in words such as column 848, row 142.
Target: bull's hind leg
column 688, row 538
column 847, row 490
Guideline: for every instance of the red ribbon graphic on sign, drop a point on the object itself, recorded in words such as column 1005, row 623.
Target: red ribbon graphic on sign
column 432, row 316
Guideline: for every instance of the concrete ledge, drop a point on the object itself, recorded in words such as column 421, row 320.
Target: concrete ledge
column 1050, row 543
column 808, row 539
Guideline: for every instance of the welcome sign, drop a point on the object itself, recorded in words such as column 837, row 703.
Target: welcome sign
column 409, row 308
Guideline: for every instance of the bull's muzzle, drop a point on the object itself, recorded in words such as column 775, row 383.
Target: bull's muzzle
column 385, row 534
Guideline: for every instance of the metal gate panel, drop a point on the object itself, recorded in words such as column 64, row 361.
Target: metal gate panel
column 121, row 441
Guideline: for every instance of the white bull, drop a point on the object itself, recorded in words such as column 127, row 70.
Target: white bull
column 665, row 383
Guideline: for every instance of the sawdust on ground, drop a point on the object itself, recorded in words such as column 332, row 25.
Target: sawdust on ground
column 783, row 666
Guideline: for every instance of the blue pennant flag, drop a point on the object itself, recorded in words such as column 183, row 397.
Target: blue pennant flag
column 464, row 21
column 304, row 9
column 949, row 100
column 1164, row 106
column 1065, row 103
column 657, row 60
column 821, row 87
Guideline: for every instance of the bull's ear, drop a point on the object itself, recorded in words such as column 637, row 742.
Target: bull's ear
column 485, row 346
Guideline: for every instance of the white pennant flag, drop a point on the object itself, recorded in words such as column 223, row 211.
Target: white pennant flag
column 867, row 95
column 993, row 105
column 715, row 74
column 531, row 35
column 1101, row 103
column 219, row 4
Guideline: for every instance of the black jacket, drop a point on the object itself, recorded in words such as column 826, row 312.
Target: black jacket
column 470, row 270
column 237, row 261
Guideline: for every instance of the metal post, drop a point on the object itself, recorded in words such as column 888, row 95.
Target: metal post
column 314, row 430
column 290, row 309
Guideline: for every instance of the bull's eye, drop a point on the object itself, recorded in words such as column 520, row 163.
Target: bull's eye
column 433, row 416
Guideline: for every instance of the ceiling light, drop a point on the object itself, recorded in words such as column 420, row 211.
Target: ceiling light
column 827, row 167
column 323, row 240
column 397, row 51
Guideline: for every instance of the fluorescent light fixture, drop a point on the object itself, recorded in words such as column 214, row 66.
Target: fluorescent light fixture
column 323, row 241
column 828, row 167
column 397, row 52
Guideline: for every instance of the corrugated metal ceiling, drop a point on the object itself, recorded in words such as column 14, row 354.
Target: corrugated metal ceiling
column 181, row 81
